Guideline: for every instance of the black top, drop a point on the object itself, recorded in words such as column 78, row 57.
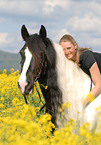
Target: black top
column 87, row 59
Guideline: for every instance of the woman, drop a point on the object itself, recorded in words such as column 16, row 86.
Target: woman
column 89, row 62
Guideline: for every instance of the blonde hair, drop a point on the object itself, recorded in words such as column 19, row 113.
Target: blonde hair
column 69, row 38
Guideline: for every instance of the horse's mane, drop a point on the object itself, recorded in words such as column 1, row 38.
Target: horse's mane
column 70, row 77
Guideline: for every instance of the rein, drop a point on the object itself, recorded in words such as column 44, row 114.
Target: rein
column 25, row 99
column 38, row 75
column 39, row 97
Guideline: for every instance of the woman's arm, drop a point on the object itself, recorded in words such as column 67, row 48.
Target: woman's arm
column 96, row 77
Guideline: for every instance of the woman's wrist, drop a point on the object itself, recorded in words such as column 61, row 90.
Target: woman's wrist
column 90, row 97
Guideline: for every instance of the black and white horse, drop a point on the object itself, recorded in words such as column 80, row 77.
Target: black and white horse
column 44, row 60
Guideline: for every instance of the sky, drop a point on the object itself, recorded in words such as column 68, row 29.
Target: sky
column 79, row 18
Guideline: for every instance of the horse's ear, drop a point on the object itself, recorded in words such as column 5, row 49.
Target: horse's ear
column 24, row 32
column 42, row 32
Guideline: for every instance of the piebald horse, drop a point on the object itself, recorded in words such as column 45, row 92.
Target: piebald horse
column 44, row 60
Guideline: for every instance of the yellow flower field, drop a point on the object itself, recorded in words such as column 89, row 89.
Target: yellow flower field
column 22, row 124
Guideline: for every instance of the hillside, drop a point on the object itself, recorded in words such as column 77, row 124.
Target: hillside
column 9, row 60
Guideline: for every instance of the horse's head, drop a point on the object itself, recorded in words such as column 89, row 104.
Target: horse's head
column 32, row 59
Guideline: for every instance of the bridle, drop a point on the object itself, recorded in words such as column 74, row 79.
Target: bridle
column 44, row 62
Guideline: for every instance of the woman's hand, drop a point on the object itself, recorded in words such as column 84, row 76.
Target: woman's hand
column 90, row 97
column 85, row 102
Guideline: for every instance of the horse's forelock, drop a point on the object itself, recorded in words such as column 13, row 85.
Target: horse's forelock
column 37, row 48
column 34, row 44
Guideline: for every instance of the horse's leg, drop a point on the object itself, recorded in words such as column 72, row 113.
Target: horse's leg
column 91, row 112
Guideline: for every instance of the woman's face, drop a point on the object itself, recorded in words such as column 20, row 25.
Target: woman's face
column 69, row 50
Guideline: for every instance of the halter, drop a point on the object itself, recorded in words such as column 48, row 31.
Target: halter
column 36, row 78
column 38, row 75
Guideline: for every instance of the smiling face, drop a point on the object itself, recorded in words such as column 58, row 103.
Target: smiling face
column 69, row 50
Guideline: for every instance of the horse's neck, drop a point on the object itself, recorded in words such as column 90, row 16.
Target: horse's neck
column 70, row 77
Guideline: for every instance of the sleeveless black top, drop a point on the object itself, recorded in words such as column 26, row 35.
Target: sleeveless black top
column 87, row 59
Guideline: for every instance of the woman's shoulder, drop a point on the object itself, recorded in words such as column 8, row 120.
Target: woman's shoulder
column 87, row 53
column 87, row 58
column 90, row 53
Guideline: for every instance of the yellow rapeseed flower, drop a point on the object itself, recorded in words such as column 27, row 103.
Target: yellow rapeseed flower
column 22, row 124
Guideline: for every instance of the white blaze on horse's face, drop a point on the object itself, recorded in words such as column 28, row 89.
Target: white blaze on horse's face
column 22, row 80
